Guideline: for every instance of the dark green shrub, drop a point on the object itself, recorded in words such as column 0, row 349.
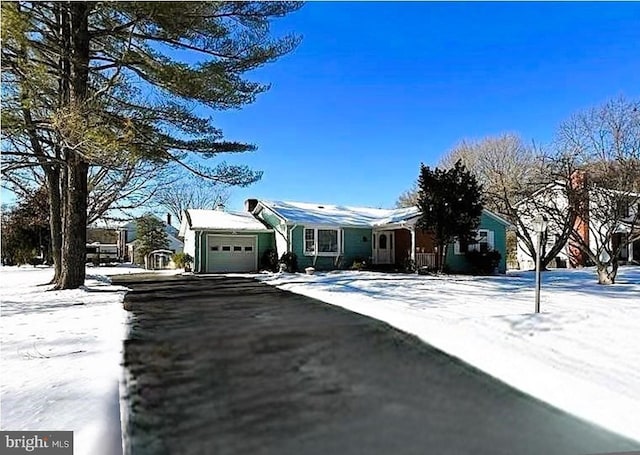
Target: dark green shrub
column 290, row 260
column 483, row 262
column 409, row 265
column 182, row 260
column 269, row 260
column 34, row 260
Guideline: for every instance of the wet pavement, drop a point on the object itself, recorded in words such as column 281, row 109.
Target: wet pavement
column 221, row 365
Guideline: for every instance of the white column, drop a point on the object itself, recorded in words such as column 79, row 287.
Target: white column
column 413, row 244
column 630, row 249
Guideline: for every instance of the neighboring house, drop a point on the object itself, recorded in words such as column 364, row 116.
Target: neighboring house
column 331, row 237
column 126, row 243
column 222, row 241
column 591, row 226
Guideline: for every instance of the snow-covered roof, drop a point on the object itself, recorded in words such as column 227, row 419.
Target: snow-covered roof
column 399, row 215
column 198, row 219
column 347, row 216
column 337, row 215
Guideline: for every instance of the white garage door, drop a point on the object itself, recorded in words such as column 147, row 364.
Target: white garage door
column 231, row 253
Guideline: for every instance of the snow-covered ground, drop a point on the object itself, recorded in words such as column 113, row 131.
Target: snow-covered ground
column 60, row 359
column 581, row 353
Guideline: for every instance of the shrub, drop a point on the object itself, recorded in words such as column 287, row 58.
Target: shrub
column 269, row 260
column 181, row 259
column 409, row 265
column 359, row 264
column 483, row 263
column 34, row 260
column 290, row 260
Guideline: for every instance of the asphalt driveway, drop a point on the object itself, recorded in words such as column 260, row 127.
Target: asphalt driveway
column 231, row 366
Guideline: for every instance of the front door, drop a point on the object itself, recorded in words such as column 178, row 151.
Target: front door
column 383, row 249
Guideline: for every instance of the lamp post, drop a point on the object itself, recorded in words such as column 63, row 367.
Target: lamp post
column 540, row 225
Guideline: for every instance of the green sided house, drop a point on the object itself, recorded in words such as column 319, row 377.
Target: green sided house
column 332, row 237
column 324, row 236
column 222, row 241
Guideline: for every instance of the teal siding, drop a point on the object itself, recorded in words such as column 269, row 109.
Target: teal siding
column 266, row 240
column 357, row 244
column 458, row 262
column 197, row 256
column 272, row 220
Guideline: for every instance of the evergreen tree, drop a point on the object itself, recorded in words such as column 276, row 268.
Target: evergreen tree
column 25, row 230
column 107, row 83
column 151, row 235
column 451, row 205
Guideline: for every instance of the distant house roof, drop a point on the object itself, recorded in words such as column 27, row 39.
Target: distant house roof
column 200, row 220
column 333, row 215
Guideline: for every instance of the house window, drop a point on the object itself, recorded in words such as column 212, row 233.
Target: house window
column 248, row 248
column 237, row 248
column 622, row 209
column 214, row 248
column 327, row 241
column 226, row 248
column 483, row 243
column 321, row 242
column 309, row 241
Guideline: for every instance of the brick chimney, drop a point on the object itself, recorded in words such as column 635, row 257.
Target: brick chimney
column 250, row 204
column 577, row 258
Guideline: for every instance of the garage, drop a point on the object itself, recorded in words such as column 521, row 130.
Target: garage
column 232, row 253
column 224, row 242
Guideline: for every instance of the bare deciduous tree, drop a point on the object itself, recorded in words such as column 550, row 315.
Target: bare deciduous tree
column 191, row 192
column 603, row 144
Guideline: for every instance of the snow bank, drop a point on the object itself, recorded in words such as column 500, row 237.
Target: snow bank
column 61, row 354
column 580, row 354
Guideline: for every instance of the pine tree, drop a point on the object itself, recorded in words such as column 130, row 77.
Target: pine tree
column 107, row 83
column 451, row 205
column 151, row 235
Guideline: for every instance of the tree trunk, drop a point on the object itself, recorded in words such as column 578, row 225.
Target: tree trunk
column 75, row 191
column 55, row 221
column 75, row 225
column 442, row 251
column 606, row 275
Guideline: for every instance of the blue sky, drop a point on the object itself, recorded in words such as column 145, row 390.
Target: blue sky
column 375, row 88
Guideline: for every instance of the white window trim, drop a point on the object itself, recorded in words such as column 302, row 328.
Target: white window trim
column 490, row 242
column 315, row 251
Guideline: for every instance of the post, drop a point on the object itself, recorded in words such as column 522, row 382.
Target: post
column 538, row 272
column 540, row 226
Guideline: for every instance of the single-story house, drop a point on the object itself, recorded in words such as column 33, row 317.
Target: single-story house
column 329, row 237
column 323, row 236
column 222, row 241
